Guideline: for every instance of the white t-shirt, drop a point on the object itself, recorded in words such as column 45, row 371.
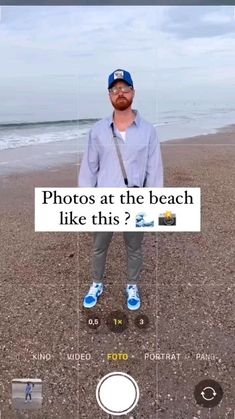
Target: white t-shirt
column 123, row 134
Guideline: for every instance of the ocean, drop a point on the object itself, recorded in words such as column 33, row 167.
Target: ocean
column 26, row 146
column 169, row 124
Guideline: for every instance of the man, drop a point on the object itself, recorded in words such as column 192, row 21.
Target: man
column 28, row 392
column 101, row 167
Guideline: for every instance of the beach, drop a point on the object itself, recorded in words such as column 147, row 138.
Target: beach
column 187, row 293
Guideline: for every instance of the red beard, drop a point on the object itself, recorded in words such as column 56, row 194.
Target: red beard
column 122, row 103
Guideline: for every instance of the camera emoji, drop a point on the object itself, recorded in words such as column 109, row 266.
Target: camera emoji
column 167, row 219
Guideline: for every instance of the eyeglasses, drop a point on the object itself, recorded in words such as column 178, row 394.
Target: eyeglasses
column 124, row 89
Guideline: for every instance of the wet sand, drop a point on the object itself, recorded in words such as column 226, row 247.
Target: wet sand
column 187, row 294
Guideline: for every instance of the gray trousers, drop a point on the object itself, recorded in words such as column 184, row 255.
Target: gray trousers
column 133, row 242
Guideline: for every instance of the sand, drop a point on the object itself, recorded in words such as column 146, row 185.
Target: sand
column 187, row 293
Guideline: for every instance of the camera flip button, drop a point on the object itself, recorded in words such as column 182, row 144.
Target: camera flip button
column 208, row 393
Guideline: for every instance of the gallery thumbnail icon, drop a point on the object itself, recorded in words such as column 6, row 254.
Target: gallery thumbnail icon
column 167, row 219
column 27, row 393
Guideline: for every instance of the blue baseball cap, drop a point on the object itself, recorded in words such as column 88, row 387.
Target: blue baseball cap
column 119, row 75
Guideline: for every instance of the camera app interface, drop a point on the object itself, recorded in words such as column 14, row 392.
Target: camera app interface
column 116, row 177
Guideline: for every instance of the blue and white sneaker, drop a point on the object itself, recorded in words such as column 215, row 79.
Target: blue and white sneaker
column 133, row 297
column 93, row 294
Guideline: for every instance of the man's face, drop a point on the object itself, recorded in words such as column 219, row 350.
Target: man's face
column 121, row 100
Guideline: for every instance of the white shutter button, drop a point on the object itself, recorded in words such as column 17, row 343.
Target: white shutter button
column 117, row 393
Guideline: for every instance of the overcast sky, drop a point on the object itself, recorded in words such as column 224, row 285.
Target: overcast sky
column 55, row 60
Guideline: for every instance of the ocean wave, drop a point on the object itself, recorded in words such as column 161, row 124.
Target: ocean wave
column 21, row 134
column 42, row 123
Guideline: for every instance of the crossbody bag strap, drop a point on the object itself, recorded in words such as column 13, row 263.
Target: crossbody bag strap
column 119, row 156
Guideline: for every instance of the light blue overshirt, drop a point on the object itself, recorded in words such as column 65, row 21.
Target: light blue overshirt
column 140, row 151
column 28, row 389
